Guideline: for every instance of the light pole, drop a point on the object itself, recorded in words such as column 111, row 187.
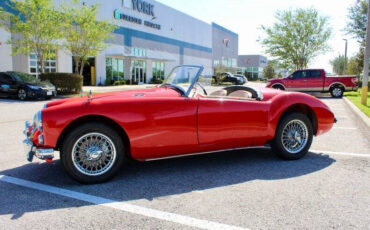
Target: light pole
column 365, row 79
column 345, row 57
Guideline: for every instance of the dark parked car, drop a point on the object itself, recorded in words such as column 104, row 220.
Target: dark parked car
column 231, row 78
column 242, row 77
column 24, row 86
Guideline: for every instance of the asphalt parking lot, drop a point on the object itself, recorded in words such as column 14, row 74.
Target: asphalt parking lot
column 251, row 189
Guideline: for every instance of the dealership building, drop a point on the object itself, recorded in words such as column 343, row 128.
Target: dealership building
column 252, row 65
column 151, row 39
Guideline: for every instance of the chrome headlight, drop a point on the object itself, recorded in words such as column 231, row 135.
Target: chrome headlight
column 37, row 121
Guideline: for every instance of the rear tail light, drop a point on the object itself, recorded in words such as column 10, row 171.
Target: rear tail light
column 354, row 80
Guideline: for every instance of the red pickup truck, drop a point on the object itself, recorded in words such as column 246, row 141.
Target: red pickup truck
column 315, row 80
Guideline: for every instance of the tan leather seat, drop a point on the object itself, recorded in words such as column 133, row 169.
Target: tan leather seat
column 240, row 94
column 219, row 93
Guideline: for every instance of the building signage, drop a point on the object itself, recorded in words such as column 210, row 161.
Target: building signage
column 143, row 6
column 125, row 17
column 226, row 42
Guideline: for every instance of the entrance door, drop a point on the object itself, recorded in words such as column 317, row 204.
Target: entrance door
column 139, row 72
column 88, row 74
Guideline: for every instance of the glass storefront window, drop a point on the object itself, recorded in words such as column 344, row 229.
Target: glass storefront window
column 234, row 63
column 138, row 52
column 50, row 65
column 158, row 70
column 115, row 69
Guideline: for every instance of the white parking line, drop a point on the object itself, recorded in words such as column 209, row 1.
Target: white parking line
column 341, row 153
column 123, row 206
column 344, row 128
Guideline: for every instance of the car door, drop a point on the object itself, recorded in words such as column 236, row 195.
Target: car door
column 231, row 123
column 168, row 127
column 314, row 81
column 296, row 82
column 7, row 85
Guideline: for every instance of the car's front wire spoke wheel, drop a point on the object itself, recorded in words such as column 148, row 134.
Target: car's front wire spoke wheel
column 94, row 154
column 295, row 136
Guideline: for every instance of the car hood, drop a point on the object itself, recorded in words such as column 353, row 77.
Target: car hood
column 157, row 92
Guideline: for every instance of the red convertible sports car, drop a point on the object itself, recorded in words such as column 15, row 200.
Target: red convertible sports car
column 97, row 134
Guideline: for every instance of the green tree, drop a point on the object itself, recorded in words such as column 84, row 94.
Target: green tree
column 357, row 21
column 84, row 36
column 338, row 65
column 269, row 71
column 297, row 37
column 35, row 25
column 356, row 27
column 353, row 67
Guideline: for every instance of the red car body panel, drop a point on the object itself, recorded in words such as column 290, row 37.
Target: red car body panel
column 159, row 122
column 317, row 83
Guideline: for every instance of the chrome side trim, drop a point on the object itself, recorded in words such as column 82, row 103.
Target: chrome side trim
column 204, row 153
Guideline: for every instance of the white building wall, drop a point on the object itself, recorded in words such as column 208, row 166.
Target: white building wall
column 64, row 60
column 6, row 62
column 21, row 63
column 205, row 62
column 100, row 68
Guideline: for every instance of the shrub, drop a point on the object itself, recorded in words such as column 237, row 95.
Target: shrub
column 122, row 82
column 360, row 84
column 65, row 83
column 226, row 83
column 128, row 82
column 156, row 81
column 213, row 81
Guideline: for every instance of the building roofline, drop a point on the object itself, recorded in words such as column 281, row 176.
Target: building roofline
column 224, row 29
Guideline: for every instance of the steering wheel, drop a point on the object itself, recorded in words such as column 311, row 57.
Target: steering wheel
column 204, row 90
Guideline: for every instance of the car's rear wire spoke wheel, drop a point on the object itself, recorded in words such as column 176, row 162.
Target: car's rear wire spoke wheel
column 295, row 136
column 94, row 154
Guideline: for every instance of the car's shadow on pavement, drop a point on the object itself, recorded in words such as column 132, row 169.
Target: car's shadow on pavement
column 150, row 180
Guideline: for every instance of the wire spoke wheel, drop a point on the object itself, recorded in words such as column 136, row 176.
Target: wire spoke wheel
column 294, row 136
column 94, row 154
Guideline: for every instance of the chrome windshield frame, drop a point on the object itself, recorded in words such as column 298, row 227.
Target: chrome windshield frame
column 195, row 79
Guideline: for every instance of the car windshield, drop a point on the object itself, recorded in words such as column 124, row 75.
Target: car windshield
column 25, row 78
column 28, row 78
column 183, row 78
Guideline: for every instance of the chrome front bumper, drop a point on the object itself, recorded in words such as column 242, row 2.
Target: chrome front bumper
column 31, row 150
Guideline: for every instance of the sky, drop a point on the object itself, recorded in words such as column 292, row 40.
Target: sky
column 245, row 17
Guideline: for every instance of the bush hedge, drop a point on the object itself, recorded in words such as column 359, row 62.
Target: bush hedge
column 122, row 82
column 65, row 83
column 156, row 81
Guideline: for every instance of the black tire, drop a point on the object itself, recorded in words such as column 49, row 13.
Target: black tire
column 337, row 91
column 22, row 94
column 75, row 136
column 278, row 87
column 277, row 144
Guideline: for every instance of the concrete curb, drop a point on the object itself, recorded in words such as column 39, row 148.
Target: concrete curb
column 358, row 112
